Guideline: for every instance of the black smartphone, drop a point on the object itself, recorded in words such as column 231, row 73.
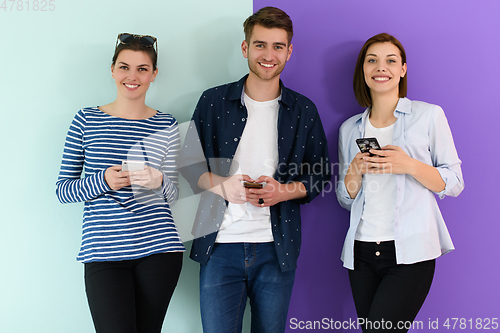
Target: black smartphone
column 365, row 144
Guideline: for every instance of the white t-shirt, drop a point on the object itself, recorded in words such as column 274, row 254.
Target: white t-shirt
column 256, row 155
column 377, row 220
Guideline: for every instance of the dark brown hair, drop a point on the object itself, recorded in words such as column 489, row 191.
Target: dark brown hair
column 269, row 17
column 135, row 45
column 361, row 90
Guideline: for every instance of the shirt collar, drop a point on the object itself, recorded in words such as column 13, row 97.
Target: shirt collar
column 403, row 106
column 238, row 91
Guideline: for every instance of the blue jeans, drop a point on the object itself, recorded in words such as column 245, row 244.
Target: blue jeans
column 236, row 271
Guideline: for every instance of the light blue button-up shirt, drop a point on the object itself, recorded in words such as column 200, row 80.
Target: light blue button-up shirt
column 422, row 131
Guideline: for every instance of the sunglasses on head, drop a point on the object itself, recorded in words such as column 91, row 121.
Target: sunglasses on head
column 145, row 40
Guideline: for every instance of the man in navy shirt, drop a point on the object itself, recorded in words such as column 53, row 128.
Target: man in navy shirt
column 243, row 134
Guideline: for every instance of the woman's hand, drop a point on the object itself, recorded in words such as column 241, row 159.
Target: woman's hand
column 391, row 159
column 115, row 178
column 358, row 166
column 354, row 175
column 149, row 177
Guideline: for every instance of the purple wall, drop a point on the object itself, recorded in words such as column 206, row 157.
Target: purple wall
column 453, row 50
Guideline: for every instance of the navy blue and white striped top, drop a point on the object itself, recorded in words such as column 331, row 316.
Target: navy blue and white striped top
column 132, row 222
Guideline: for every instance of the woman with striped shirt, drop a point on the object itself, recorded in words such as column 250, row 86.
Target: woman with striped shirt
column 131, row 248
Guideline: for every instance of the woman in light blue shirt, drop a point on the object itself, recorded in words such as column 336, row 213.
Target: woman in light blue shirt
column 396, row 228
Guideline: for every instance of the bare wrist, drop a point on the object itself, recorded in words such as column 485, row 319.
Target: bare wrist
column 413, row 167
column 294, row 190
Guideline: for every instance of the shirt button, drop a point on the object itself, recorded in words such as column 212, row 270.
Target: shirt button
column 242, row 119
column 235, row 139
column 228, row 160
column 378, row 243
column 377, row 253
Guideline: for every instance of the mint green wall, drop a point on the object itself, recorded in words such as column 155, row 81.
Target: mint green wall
column 51, row 65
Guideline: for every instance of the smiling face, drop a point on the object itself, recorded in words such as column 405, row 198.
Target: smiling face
column 267, row 52
column 133, row 72
column 383, row 68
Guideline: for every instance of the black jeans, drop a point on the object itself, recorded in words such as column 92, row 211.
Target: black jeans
column 387, row 296
column 132, row 295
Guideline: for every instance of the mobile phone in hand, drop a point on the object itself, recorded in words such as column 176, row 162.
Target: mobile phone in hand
column 365, row 144
column 132, row 165
column 253, row 185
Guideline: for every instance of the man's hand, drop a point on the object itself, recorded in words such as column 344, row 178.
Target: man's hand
column 274, row 192
column 230, row 188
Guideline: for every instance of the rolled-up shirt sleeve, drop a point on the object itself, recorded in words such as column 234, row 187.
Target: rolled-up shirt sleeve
column 345, row 160
column 444, row 155
column 317, row 173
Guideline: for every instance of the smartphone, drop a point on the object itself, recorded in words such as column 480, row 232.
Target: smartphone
column 365, row 144
column 133, row 165
column 253, row 185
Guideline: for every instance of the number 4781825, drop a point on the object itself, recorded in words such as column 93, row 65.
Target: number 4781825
column 28, row 5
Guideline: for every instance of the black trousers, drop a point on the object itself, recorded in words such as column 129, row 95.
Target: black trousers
column 132, row 295
column 387, row 296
